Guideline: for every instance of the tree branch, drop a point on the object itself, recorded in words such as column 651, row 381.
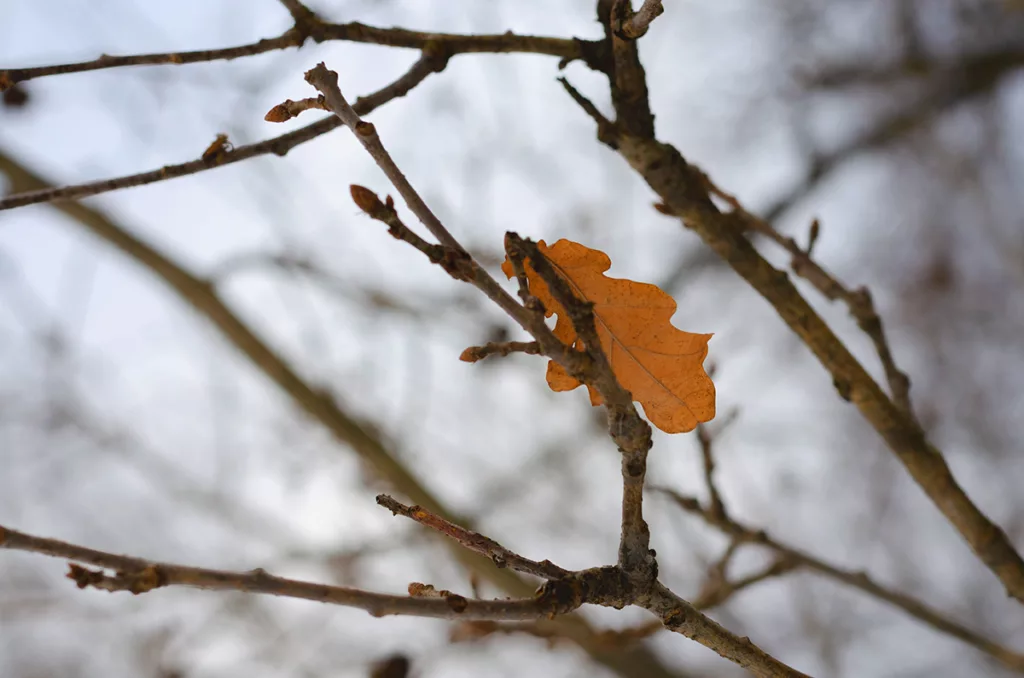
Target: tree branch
column 203, row 297
column 683, row 190
column 630, row 432
column 638, row 24
column 858, row 302
column 139, row 576
column 447, row 43
column 427, row 63
column 326, row 81
column 682, row 617
column 633, row 662
column 474, row 541
column 634, row 579
column 858, row 580
column 12, row 76
column 503, row 348
column 300, row 13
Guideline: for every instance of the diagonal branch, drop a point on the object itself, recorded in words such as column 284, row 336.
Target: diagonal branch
column 858, row 580
column 858, row 302
column 682, row 617
column 474, row 541
column 326, row 81
column 450, row 254
column 428, row 63
column 641, row 21
column 683, row 190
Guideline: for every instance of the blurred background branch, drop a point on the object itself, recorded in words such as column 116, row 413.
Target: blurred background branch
column 125, row 423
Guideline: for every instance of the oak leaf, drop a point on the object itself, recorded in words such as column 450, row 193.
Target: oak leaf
column 661, row 365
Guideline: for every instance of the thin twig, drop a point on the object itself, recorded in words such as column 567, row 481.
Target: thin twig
column 290, row 38
column 288, row 109
column 326, row 81
column 446, row 43
column 139, row 575
column 280, row 145
column 639, row 23
column 710, row 597
column 501, row 348
column 708, row 458
column 718, row 589
column 858, row 302
column 453, row 257
column 455, row 261
column 352, row 432
column 858, row 580
column 474, row 541
column 449, row 257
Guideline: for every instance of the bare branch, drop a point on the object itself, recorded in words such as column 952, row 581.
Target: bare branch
column 203, row 297
column 858, row 580
column 718, row 588
column 639, row 23
column 442, row 43
column 451, row 255
column 683, row 190
column 708, row 458
column 474, row 541
column 858, row 302
column 12, row 76
column 326, row 81
column 627, row 78
column 280, row 146
column 502, row 348
column 139, row 576
column 300, row 13
column 289, row 109
column 682, row 617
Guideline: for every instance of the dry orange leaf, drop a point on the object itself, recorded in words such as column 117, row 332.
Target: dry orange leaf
column 661, row 365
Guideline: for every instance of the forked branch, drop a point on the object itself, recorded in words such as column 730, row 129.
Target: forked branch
column 633, row 581
column 684, row 193
column 428, row 63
